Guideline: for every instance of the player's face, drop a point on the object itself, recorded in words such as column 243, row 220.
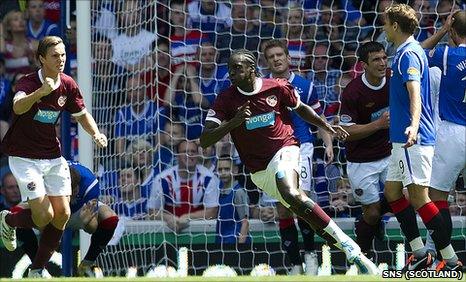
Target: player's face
column 240, row 72
column 390, row 29
column 277, row 61
column 377, row 64
column 55, row 59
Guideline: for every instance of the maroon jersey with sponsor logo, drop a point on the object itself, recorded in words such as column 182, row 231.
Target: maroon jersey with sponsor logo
column 269, row 127
column 362, row 103
column 32, row 134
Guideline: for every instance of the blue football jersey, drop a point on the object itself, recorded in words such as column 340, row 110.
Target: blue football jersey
column 89, row 188
column 410, row 64
column 452, row 97
column 307, row 95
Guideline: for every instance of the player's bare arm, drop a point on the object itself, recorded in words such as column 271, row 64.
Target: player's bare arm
column 414, row 90
column 88, row 123
column 361, row 131
column 213, row 132
column 328, row 142
column 310, row 116
column 23, row 103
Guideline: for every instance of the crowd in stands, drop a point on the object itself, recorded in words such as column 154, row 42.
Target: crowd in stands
column 157, row 67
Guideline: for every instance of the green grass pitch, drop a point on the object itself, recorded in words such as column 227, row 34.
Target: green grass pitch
column 281, row 278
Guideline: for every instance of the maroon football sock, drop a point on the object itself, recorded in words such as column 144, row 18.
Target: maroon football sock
column 49, row 242
column 20, row 218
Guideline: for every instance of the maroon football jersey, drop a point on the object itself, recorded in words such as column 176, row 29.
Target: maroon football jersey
column 269, row 127
column 32, row 134
column 362, row 103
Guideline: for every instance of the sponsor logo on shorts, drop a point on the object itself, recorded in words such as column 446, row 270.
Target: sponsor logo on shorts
column 413, row 71
column 31, row 186
column 62, row 100
column 359, row 192
column 371, row 104
column 271, row 100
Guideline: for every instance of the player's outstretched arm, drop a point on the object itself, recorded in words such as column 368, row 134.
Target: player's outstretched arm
column 213, row 131
column 433, row 40
column 88, row 123
column 361, row 131
column 310, row 116
column 22, row 102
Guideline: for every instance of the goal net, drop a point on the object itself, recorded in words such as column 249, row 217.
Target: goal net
column 157, row 67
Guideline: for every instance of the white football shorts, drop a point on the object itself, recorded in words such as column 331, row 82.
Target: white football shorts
column 449, row 157
column 39, row 177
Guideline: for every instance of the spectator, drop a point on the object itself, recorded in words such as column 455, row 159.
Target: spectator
column 382, row 37
column 9, row 197
column 233, row 212
column 325, row 78
column 172, row 134
column 131, row 48
column 426, row 29
column 339, row 202
column 184, row 41
column 187, row 101
column 268, row 17
column 17, row 49
column 108, row 84
column 9, row 192
column 5, row 103
column 214, row 77
column 158, row 78
column 209, row 16
column 138, row 118
column 209, row 158
column 184, row 192
column 266, row 211
column 298, row 35
column 37, row 26
column 243, row 33
column 130, row 200
column 458, row 208
column 140, row 154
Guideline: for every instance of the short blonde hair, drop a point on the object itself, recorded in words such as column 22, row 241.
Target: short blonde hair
column 139, row 144
column 404, row 15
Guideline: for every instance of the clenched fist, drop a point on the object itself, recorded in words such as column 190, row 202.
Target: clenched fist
column 100, row 140
column 48, row 86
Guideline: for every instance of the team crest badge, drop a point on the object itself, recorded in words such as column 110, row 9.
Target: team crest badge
column 413, row 71
column 272, row 100
column 31, row 186
column 62, row 100
column 345, row 118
